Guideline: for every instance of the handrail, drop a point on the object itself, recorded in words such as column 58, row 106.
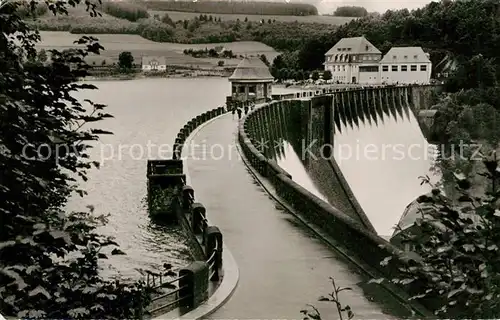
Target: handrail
column 170, row 304
column 154, row 276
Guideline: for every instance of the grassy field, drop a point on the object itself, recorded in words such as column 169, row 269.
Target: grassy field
column 138, row 46
column 177, row 15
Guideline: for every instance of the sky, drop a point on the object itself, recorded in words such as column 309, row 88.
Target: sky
column 329, row 6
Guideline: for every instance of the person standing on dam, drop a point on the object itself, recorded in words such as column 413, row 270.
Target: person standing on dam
column 246, row 109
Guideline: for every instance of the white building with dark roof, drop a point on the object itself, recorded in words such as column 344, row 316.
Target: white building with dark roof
column 356, row 60
column 406, row 65
column 347, row 56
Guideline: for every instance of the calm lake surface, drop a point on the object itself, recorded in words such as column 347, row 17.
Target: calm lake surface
column 148, row 113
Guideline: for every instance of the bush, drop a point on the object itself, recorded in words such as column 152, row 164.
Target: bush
column 350, row 11
column 125, row 10
column 49, row 266
column 26, row 11
column 156, row 31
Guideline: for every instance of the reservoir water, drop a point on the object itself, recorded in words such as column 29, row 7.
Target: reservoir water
column 147, row 116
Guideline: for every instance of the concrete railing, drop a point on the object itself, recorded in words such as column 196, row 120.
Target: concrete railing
column 191, row 125
column 187, row 287
column 358, row 240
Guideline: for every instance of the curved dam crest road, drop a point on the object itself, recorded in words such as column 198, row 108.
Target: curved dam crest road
column 282, row 265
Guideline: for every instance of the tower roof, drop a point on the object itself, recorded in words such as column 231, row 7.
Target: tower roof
column 251, row 69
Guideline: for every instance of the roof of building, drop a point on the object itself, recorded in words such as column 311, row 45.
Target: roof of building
column 149, row 59
column 354, row 45
column 251, row 68
column 406, row 55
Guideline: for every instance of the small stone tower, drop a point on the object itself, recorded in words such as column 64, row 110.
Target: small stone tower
column 251, row 81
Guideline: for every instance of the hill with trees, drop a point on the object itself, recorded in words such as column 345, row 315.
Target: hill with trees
column 125, row 18
column 350, row 11
column 234, row 7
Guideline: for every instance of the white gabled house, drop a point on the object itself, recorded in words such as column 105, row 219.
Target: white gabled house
column 154, row 63
column 406, row 65
column 345, row 59
column 356, row 60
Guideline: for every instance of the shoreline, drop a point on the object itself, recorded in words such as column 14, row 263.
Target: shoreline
column 125, row 77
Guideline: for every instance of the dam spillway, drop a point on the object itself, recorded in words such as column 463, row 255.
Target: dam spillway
column 361, row 151
column 382, row 152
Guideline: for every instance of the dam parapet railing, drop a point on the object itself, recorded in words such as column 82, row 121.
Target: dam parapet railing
column 359, row 241
column 190, row 286
column 191, row 125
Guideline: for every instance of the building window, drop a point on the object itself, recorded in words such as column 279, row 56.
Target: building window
column 413, row 68
column 404, row 68
column 348, row 49
column 353, row 58
column 338, row 49
column 367, row 48
column 235, row 89
column 394, row 68
column 415, row 57
column 394, row 57
column 252, row 89
column 368, row 68
column 344, row 68
column 423, row 67
column 385, row 68
column 406, row 57
column 241, row 89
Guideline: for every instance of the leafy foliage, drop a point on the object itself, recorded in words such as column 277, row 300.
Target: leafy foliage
column 477, row 72
column 126, row 60
column 312, row 313
column 458, row 246
column 163, row 200
column 327, row 75
column 468, row 116
column 315, row 75
column 25, row 10
column 49, row 265
column 125, row 10
column 264, row 59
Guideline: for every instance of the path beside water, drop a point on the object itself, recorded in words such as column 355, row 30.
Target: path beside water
column 283, row 266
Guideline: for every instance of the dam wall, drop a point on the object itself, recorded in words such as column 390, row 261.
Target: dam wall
column 311, row 123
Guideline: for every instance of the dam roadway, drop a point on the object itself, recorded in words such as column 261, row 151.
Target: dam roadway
column 282, row 265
